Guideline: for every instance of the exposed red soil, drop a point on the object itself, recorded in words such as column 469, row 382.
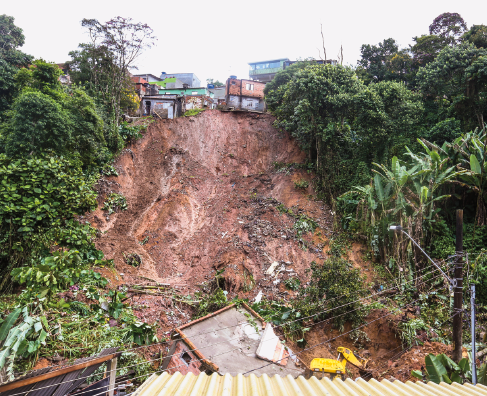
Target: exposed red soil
column 202, row 192
column 202, row 195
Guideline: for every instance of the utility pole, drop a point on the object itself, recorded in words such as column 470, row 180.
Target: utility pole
column 472, row 316
column 458, row 290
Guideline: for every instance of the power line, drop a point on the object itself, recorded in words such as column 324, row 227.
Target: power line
column 289, row 322
column 332, row 339
column 150, row 361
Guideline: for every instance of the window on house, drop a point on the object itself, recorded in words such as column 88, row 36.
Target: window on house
column 187, row 359
column 249, row 87
column 233, row 82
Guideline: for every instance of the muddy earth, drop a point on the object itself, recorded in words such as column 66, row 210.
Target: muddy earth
column 203, row 195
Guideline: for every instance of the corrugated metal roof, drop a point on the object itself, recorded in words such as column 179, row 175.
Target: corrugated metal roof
column 216, row 385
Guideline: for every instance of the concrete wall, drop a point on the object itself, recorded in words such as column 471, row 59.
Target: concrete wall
column 198, row 102
column 172, row 106
column 174, row 84
column 186, row 78
column 245, row 103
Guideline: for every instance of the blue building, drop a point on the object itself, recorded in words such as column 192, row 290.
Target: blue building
column 266, row 70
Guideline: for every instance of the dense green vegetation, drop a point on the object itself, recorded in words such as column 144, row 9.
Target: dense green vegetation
column 399, row 139
column 55, row 142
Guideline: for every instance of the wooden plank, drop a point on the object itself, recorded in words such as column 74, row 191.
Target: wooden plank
column 33, row 380
column 112, row 374
column 90, row 370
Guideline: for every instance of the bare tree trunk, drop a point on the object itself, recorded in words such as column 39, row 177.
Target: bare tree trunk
column 323, row 38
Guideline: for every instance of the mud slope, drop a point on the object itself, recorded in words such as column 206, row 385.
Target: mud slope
column 202, row 195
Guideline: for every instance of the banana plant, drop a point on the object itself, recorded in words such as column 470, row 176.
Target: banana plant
column 441, row 368
column 23, row 339
column 469, row 153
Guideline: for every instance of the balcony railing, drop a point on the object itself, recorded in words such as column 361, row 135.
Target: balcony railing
column 264, row 71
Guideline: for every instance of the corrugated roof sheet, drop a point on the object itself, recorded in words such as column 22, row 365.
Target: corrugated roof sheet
column 216, row 385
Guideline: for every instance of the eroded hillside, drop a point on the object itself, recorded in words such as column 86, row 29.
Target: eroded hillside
column 207, row 194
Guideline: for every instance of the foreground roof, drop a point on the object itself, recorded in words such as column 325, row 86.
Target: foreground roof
column 216, row 385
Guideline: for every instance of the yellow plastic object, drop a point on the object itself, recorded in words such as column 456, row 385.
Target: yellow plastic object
column 337, row 366
column 349, row 356
column 328, row 365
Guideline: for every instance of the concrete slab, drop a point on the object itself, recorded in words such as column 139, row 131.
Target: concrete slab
column 237, row 339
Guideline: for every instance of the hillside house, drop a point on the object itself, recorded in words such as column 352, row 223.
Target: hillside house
column 265, row 71
column 185, row 78
column 162, row 106
column 150, row 78
column 219, row 95
column 244, row 95
column 143, row 88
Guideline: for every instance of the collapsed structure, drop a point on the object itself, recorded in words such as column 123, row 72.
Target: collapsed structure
column 239, row 340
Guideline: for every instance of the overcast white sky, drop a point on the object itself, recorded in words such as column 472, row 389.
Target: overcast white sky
column 214, row 39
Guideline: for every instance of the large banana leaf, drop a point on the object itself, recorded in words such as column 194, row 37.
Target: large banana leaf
column 455, row 377
column 475, row 165
column 436, row 371
column 8, row 323
column 482, row 377
column 448, row 363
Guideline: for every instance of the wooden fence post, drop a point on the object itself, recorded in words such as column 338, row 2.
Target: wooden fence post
column 112, row 373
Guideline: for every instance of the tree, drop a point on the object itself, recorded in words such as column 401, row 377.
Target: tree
column 427, row 48
column 11, row 59
column 375, row 57
column 117, row 43
column 46, row 116
column 11, row 36
column 449, row 26
column 274, row 90
column 37, row 123
column 215, row 83
column 343, row 124
column 457, row 81
column 477, row 35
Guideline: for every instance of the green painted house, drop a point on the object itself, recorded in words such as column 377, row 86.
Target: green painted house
column 203, row 91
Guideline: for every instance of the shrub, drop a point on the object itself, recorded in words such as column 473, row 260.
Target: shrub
column 301, row 184
column 192, row 112
column 115, row 202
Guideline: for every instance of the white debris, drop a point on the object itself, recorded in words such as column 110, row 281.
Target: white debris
column 258, row 297
column 272, row 268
